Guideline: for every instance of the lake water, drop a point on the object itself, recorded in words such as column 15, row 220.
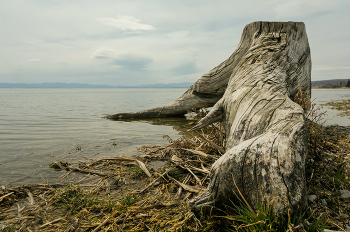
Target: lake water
column 321, row 96
column 39, row 126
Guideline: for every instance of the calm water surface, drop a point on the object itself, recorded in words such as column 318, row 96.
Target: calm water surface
column 39, row 126
column 322, row 96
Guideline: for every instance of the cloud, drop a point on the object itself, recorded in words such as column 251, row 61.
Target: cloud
column 33, row 60
column 132, row 62
column 165, row 42
column 126, row 23
column 297, row 8
column 125, row 61
column 177, row 34
column 185, row 69
column 104, row 53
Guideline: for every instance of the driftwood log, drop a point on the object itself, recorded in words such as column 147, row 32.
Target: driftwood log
column 251, row 94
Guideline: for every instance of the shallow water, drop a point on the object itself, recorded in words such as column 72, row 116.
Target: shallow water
column 321, row 96
column 39, row 126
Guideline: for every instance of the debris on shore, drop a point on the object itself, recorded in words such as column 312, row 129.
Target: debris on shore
column 127, row 194
column 343, row 106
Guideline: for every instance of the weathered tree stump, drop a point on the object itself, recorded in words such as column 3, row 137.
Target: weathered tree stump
column 266, row 144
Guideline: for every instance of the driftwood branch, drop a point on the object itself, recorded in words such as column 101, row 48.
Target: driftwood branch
column 75, row 169
column 206, row 91
column 251, row 96
column 3, row 197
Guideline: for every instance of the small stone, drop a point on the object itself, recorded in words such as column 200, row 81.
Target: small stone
column 312, row 198
column 347, row 227
column 344, row 194
column 156, row 183
column 323, row 202
column 326, row 230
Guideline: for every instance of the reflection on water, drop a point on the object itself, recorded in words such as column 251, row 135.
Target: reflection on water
column 39, row 126
column 322, row 96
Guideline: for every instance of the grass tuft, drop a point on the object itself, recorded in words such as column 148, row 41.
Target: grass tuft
column 74, row 199
column 161, row 205
column 136, row 172
column 264, row 219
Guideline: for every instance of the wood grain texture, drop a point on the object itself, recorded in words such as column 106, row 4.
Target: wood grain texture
column 251, row 95
column 266, row 146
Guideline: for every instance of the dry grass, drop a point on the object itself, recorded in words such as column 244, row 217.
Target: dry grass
column 116, row 194
column 327, row 166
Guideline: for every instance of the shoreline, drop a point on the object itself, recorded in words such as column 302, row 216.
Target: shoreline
column 117, row 194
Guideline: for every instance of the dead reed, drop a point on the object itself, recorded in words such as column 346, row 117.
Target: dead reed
column 123, row 194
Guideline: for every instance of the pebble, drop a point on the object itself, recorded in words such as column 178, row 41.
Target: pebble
column 312, row 198
column 347, row 227
column 323, row 202
column 326, row 230
column 344, row 194
column 156, row 183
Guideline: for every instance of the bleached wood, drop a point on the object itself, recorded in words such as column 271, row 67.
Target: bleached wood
column 266, row 145
column 251, row 95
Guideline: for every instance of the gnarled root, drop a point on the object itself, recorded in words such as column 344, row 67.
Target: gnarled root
column 266, row 133
column 207, row 90
column 269, row 167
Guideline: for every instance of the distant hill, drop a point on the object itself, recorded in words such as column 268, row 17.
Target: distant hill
column 334, row 83
column 79, row 85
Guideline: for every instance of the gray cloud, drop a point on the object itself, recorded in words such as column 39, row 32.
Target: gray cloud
column 115, row 35
column 132, row 63
column 185, row 69
column 108, row 40
column 126, row 23
column 125, row 61
column 104, row 53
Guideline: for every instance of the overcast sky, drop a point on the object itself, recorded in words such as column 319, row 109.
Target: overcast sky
column 135, row 42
